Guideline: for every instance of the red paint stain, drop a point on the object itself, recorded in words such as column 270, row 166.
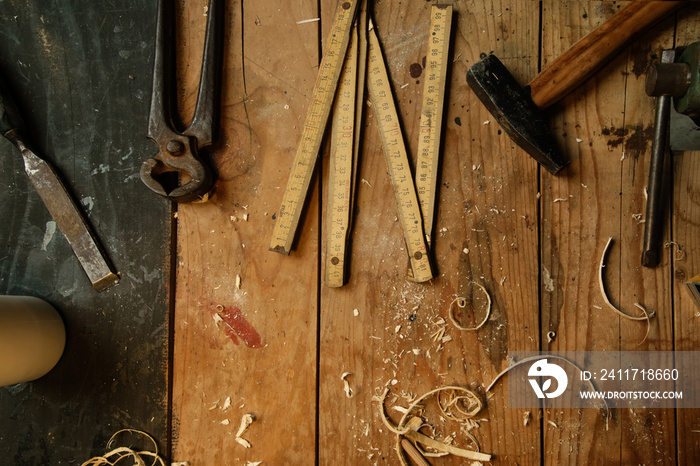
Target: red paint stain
column 237, row 327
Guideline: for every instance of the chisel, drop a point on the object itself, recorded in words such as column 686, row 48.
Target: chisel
column 57, row 199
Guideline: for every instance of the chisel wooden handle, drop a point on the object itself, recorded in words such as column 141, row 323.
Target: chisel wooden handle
column 588, row 54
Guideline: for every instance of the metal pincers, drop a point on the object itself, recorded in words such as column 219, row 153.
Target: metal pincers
column 177, row 172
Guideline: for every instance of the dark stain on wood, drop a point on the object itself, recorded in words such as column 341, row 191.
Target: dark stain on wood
column 415, row 70
column 636, row 139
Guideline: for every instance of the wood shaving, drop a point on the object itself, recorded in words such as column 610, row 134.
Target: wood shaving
column 606, row 408
column 116, row 455
column 346, row 385
column 526, row 418
column 462, row 303
column 647, row 316
column 246, row 421
column 680, row 254
column 459, row 407
column 550, row 336
column 409, row 425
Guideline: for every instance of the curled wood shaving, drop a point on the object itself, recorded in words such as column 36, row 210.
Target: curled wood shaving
column 606, row 408
column 647, row 316
column 451, row 449
column 408, row 425
column 680, row 253
column 459, row 407
column 462, row 303
column 116, row 455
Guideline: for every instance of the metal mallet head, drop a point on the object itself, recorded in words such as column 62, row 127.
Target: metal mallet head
column 514, row 109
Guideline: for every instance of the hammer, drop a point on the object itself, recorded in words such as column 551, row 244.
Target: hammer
column 675, row 79
column 519, row 110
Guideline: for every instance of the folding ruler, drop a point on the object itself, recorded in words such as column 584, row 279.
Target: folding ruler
column 353, row 50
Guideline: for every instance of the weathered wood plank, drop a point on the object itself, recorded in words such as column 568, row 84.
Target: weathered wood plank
column 263, row 354
column 580, row 210
column 647, row 435
column 684, row 223
column 487, row 233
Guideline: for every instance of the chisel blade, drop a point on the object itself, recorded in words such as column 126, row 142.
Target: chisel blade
column 68, row 218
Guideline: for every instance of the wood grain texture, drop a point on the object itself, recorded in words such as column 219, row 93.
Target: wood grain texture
column 388, row 342
column 648, row 435
column 594, row 49
column 684, row 227
column 580, row 210
column 255, row 332
column 268, row 367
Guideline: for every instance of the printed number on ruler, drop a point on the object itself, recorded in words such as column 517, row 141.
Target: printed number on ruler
column 397, row 161
column 340, row 174
column 314, row 127
column 431, row 112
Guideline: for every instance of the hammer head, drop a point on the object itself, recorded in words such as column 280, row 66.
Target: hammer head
column 513, row 108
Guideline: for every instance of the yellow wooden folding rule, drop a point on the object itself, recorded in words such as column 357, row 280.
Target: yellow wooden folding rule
column 348, row 72
column 314, row 127
column 435, row 75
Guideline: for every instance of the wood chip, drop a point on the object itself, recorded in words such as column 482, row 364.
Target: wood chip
column 346, row 385
column 246, row 421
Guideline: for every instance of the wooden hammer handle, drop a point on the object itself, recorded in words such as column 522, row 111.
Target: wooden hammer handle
column 584, row 58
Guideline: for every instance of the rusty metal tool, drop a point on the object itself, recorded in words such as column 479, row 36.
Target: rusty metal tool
column 57, row 200
column 519, row 110
column 675, row 79
column 657, row 84
column 177, row 172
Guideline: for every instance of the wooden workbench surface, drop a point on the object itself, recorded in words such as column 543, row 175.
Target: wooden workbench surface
column 256, row 332
column 531, row 239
